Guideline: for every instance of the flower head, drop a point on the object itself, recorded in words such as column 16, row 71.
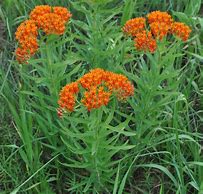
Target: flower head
column 161, row 24
column 99, row 85
column 22, row 55
column 62, row 12
column 181, row 30
column 26, row 29
column 159, row 29
column 94, row 78
column 134, row 26
column 26, row 34
column 120, row 85
column 67, row 96
column 158, row 16
column 51, row 23
column 51, row 19
column 115, row 83
column 39, row 11
column 145, row 41
column 96, row 97
column 30, row 44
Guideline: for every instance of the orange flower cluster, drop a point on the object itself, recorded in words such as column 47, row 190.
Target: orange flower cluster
column 39, row 11
column 64, row 14
column 134, row 26
column 50, row 20
column 67, row 96
column 93, row 78
column 26, row 34
column 181, row 30
column 160, row 23
column 144, row 41
column 26, row 29
column 22, row 55
column 96, row 97
column 99, row 85
column 160, row 17
column 115, row 83
column 159, row 29
column 52, row 24
column 120, row 85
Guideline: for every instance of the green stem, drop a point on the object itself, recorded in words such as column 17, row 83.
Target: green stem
column 52, row 81
column 95, row 148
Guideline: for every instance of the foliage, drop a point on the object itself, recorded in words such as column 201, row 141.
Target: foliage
column 150, row 143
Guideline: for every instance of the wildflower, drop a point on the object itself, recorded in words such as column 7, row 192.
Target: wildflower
column 67, row 96
column 159, row 29
column 120, row 85
column 96, row 97
column 93, row 78
column 51, row 23
column 26, row 29
column 26, row 34
column 134, row 26
column 62, row 12
column 22, row 55
column 115, row 83
column 30, row 44
column 161, row 17
column 144, row 41
column 51, row 20
column 181, row 30
column 99, row 85
column 39, row 11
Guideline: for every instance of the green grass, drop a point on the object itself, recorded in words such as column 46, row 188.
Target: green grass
column 150, row 144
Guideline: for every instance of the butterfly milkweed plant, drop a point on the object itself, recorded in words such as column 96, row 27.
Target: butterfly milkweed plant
column 101, row 97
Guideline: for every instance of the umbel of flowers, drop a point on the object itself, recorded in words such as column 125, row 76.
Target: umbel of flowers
column 51, row 20
column 98, row 86
column 160, row 24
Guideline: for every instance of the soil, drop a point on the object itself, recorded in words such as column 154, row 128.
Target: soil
column 2, row 34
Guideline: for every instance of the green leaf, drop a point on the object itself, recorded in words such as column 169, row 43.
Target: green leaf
column 161, row 168
column 128, row 10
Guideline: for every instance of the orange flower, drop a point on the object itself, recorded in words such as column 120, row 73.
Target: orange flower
column 26, row 34
column 99, row 85
column 96, row 97
column 26, row 29
column 67, row 96
column 39, row 11
column 63, row 13
column 51, row 20
column 22, row 55
column 134, row 26
column 158, row 16
column 93, row 78
column 159, row 29
column 30, row 44
column 181, row 30
column 116, row 83
column 120, row 85
column 144, row 41
column 51, row 23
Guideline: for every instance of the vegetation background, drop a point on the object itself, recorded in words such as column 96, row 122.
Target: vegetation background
column 167, row 160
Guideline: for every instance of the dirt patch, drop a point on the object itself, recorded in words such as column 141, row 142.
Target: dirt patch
column 2, row 34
